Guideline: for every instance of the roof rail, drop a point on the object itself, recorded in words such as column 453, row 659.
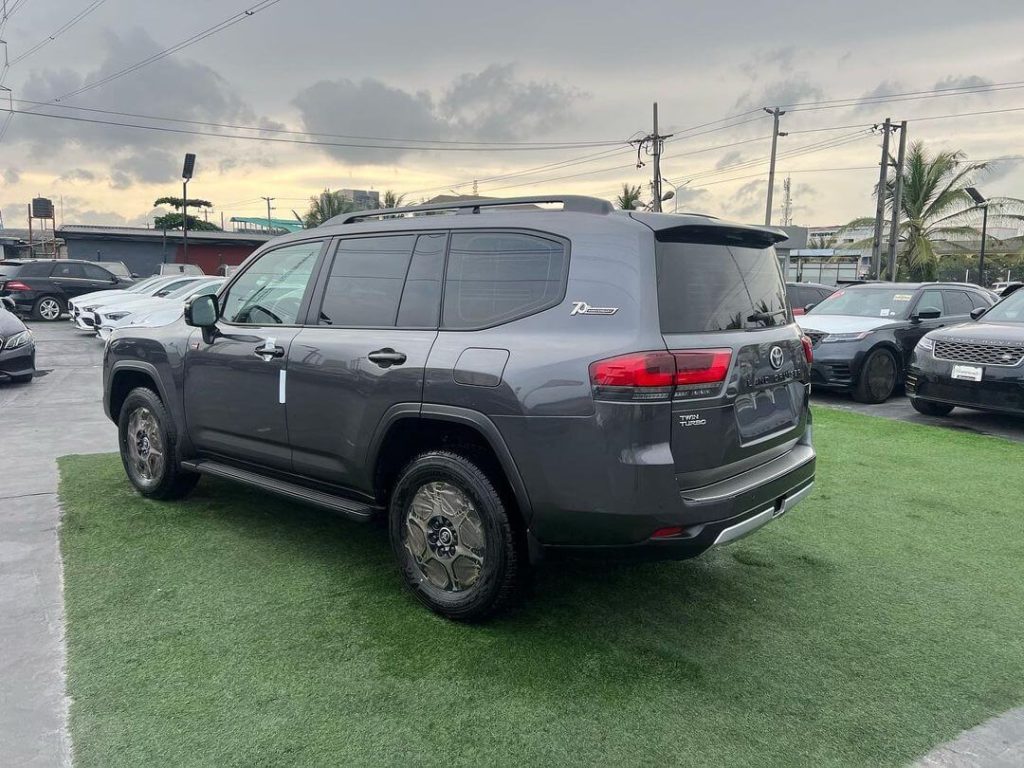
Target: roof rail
column 571, row 203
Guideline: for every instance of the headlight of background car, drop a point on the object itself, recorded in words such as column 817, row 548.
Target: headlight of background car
column 117, row 315
column 18, row 340
column 833, row 337
column 926, row 344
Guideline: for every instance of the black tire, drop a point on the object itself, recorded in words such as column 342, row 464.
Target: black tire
column 930, row 408
column 878, row 377
column 46, row 306
column 22, row 379
column 494, row 566
column 165, row 479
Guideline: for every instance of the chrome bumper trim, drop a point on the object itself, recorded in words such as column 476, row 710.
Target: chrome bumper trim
column 751, row 524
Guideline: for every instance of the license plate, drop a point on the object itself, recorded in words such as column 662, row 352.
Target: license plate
column 968, row 372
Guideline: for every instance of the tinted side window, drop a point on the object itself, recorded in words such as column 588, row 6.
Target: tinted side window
column 421, row 298
column 821, row 293
column 270, row 291
column 931, row 300
column 495, row 277
column 957, row 302
column 365, row 283
column 979, row 300
column 68, row 270
column 96, row 273
column 38, row 269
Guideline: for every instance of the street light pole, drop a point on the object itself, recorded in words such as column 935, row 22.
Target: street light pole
column 980, row 202
column 186, row 175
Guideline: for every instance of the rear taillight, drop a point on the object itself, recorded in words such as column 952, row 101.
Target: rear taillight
column 16, row 285
column 808, row 348
column 646, row 376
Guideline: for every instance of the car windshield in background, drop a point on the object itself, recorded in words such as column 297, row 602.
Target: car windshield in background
column 1009, row 310
column 718, row 288
column 867, row 302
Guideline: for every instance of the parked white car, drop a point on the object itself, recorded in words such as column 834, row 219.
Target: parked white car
column 83, row 315
column 117, row 314
column 85, row 298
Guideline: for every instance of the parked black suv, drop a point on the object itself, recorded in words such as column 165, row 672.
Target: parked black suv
column 863, row 335
column 500, row 385
column 42, row 287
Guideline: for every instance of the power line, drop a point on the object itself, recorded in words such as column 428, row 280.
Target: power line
column 59, row 31
column 953, row 90
column 532, row 144
column 275, row 139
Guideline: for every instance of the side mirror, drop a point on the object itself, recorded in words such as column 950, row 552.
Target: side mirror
column 926, row 314
column 977, row 312
column 114, row 280
column 8, row 303
column 809, row 307
column 201, row 311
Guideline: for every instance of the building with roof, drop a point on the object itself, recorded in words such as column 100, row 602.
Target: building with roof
column 144, row 250
column 264, row 225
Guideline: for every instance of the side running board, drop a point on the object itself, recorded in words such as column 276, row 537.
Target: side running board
column 356, row 510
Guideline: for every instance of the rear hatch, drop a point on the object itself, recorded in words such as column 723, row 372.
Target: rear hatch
column 742, row 367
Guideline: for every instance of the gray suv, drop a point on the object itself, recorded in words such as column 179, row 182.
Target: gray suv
column 509, row 384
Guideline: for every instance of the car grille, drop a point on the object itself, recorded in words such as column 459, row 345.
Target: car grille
column 980, row 354
column 815, row 336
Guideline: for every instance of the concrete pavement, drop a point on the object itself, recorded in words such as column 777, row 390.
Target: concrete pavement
column 59, row 413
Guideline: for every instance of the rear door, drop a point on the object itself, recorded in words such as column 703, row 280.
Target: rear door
column 371, row 327
column 741, row 395
column 70, row 278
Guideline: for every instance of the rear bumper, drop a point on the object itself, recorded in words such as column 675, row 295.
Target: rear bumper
column 730, row 509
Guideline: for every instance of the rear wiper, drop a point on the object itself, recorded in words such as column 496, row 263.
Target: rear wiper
column 764, row 317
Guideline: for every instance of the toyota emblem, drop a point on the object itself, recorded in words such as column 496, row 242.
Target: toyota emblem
column 776, row 357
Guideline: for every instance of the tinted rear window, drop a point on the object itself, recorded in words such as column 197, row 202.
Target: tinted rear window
column 718, row 288
column 31, row 269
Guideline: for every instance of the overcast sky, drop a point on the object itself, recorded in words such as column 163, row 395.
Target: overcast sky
column 523, row 71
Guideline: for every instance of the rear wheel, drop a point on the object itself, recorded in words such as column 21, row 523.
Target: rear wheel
column 454, row 538
column 48, row 308
column 148, row 442
column 878, row 377
column 930, row 408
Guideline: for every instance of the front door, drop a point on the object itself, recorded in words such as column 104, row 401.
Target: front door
column 376, row 322
column 234, row 377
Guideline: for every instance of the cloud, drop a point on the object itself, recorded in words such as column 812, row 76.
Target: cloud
column 491, row 105
column 788, row 90
column 748, row 199
column 1001, row 167
column 77, row 174
column 153, row 167
column 12, row 176
column 729, row 158
column 964, row 81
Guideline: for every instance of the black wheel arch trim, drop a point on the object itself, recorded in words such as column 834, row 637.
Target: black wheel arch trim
column 137, row 366
column 468, row 417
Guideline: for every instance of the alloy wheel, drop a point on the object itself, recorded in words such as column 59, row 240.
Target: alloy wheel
column 445, row 536
column 145, row 445
column 881, row 375
column 49, row 309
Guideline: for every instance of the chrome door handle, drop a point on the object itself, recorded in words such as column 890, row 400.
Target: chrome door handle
column 268, row 350
column 386, row 357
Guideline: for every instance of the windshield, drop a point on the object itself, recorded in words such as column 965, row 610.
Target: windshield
column 141, row 286
column 187, row 290
column 1009, row 310
column 864, row 301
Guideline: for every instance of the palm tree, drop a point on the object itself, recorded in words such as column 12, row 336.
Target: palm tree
column 935, row 206
column 629, row 198
column 392, row 199
column 326, row 205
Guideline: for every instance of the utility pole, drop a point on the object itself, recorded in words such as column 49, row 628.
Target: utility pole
column 776, row 113
column 787, row 203
column 883, row 178
column 656, row 139
column 269, row 201
column 897, row 202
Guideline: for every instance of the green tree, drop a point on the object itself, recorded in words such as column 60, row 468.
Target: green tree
column 629, row 198
column 392, row 199
column 935, row 206
column 174, row 220
column 327, row 205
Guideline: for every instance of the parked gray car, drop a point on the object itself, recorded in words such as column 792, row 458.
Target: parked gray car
column 502, row 386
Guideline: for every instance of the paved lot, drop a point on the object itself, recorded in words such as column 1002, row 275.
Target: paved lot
column 899, row 408
column 57, row 414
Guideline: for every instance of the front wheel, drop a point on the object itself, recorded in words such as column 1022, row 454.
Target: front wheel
column 878, row 377
column 454, row 538
column 930, row 408
column 148, row 442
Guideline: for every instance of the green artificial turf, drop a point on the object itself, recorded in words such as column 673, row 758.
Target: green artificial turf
column 879, row 618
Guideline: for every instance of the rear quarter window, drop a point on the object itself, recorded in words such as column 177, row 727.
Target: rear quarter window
column 38, row 269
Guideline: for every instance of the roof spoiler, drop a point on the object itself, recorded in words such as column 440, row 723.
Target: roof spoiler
column 570, row 203
column 740, row 235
